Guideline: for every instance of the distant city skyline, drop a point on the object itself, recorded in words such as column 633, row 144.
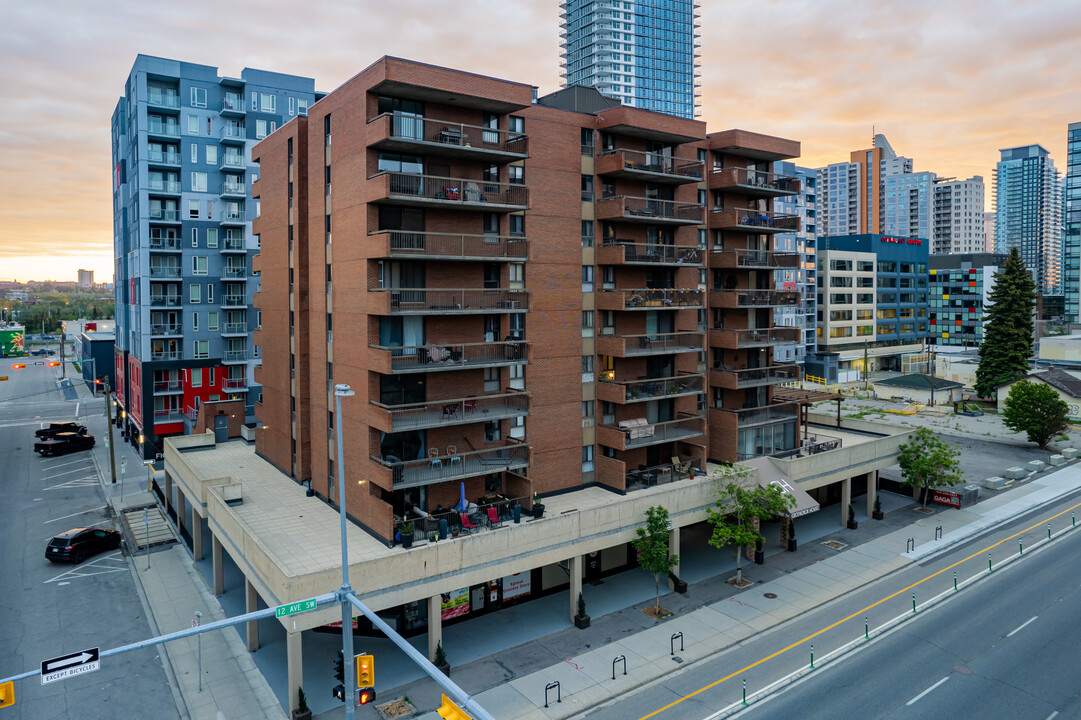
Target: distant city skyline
column 831, row 71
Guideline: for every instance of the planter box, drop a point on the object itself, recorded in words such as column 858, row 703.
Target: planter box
column 581, row 621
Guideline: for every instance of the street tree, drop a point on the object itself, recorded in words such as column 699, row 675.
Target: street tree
column 1007, row 334
column 740, row 503
column 927, row 461
column 652, row 547
column 1035, row 409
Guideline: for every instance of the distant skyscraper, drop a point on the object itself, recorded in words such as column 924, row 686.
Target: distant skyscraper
column 1028, row 200
column 86, row 278
column 851, row 195
column 1071, row 260
column 958, row 225
column 644, row 53
column 989, row 220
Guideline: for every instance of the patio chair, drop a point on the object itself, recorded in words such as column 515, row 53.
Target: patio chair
column 450, row 411
column 452, row 455
column 434, row 459
column 467, row 525
column 681, row 468
column 493, row 518
column 470, row 406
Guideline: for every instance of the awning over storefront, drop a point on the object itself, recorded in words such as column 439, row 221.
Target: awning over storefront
column 769, row 474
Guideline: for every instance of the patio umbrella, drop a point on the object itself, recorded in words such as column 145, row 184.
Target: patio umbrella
column 462, row 505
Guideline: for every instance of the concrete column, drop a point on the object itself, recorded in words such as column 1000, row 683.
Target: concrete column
column 872, row 492
column 435, row 624
column 673, row 549
column 294, row 661
column 251, row 604
column 168, row 492
column 196, row 534
column 219, row 574
column 181, row 512
column 574, row 565
column 846, row 498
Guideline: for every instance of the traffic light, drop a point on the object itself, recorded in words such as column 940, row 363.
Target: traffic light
column 365, row 696
column 449, row 711
column 339, row 675
column 7, row 694
column 365, row 671
column 18, row 366
column 54, row 364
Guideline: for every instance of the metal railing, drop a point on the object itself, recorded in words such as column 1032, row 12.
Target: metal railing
column 811, row 445
column 755, row 179
column 165, row 186
column 450, row 356
column 165, row 354
column 233, row 132
column 233, row 188
column 762, row 298
column 230, row 161
column 164, row 216
column 166, row 329
column 766, row 414
column 471, row 409
column 233, row 271
column 649, row 208
column 659, row 342
column 690, row 426
column 764, row 336
column 165, row 301
column 167, row 386
column 442, row 467
column 234, row 383
column 759, row 258
column 234, row 103
column 233, row 244
column 407, row 300
column 161, row 128
column 660, row 387
column 234, row 216
column 166, row 243
column 165, row 271
column 661, row 297
column 171, row 414
column 233, row 300
column 449, row 245
column 165, row 158
column 773, row 373
column 446, row 132
column 163, row 99
column 655, row 253
column 234, row 356
column 751, row 218
column 456, row 190
column 657, row 163
column 234, row 328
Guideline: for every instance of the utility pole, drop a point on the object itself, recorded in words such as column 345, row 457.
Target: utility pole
column 931, row 357
column 341, row 391
column 109, row 415
column 866, row 367
column 63, row 365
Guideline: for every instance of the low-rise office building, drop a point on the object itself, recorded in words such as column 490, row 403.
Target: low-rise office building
column 960, row 288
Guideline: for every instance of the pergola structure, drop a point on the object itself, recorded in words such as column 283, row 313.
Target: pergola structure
column 805, row 399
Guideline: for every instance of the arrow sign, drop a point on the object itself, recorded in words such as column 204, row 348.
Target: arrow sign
column 67, row 666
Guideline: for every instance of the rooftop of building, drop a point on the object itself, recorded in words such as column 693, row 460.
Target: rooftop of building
column 965, row 260
column 919, row 382
column 102, row 336
column 1060, row 380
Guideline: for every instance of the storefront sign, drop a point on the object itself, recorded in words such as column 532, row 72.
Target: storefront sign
column 902, row 241
column 455, row 604
column 516, row 585
column 942, row 497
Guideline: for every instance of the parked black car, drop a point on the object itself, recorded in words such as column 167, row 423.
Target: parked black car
column 78, row 544
column 64, row 443
column 56, row 428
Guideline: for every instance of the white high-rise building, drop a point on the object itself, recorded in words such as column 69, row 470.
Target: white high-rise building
column 958, row 217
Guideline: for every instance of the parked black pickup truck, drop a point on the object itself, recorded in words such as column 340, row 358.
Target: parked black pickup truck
column 63, row 443
column 56, row 428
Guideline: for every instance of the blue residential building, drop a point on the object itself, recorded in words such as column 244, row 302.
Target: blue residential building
column 1071, row 265
column 1028, row 203
column 803, row 278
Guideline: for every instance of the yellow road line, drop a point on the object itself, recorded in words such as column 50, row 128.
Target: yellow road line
column 812, row 636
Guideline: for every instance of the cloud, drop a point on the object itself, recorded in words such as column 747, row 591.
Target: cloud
column 949, row 82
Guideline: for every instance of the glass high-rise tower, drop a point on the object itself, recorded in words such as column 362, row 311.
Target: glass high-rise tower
column 644, row 53
column 1072, row 226
column 1028, row 200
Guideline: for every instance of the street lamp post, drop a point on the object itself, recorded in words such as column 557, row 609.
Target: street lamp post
column 341, row 391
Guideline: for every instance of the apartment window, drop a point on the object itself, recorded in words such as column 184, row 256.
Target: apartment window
column 212, row 321
column 865, row 265
column 517, row 175
column 211, row 154
column 198, row 97
column 587, row 411
column 490, row 121
column 517, row 124
column 198, row 182
column 587, row 364
column 516, row 325
column 292, row 105
column 194, row 153
column 268, row 102
column 587, row 458
column 587, row 142
column 193, row 209
column 210, row 292
column 202, row 350
column 587, row 233
column 195, row 237
column 492, row 432
column 516, row 273
column 587, row 188
column 211, row 237
column 491, row 379
column 198, row 265
column 587, row 278
column 195, row 322
column 193, row 124
column 302, row 106
column 587, row 323
column 260, row 128
column 196, row 377
column 326, row 130
column 194, row 293
column 516, row 225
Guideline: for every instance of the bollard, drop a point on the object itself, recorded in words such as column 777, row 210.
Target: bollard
column 812, row 657
column 954, row 579
column 913, row 602
column 744, row 692
column 549, row 686
column 619, row 658
column 1020, row 547
column 910, row 545
column 1073, row 520
column 672, row 643
column 1048, row 531
column 938, row 533
column 989, row 568
column 866, row 629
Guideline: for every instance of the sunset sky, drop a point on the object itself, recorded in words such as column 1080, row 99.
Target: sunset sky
column 948, row 81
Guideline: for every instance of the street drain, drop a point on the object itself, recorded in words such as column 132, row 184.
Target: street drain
column 835, row 544
column 771, row 596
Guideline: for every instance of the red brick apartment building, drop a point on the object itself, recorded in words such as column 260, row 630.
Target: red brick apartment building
column 527, row 296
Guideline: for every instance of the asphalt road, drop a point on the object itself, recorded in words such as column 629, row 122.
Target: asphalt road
column 1030, row 674
column 49, row 610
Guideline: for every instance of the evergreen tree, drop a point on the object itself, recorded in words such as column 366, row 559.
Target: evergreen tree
column 1007, row 334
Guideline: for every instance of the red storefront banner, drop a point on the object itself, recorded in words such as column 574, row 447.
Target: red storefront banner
column 943, row 497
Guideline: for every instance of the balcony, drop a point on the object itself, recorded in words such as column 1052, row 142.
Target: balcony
column 624, row 346
column 753, row 377
column 163, row 329
column 625, row 392
column 168, row 416
column 234, row 384
column 158, row 215
column 232, row 163
column 231, row 217
column 234, row 328
column 234, row 356
column 427, row 190
column 233, row 134
column 754, row 260
column 625, row 252
column 166, row 244
column 232, row 106
column 233, row 190
column 648, row 167
column 766, row 415
column 168, row 387
column 630, row 434
column 156, row 128
column 162, row 100
column 649, row 211
column 430, row 136
column 164, row 187
column 759, row 338
column 440, row 413
column 165, row 271
column 234, row 301
column 651, row 299
column 754, row 221
column 446, row 356
column 753, row 145
column 447, row 246
column 754, row 183
column 165, row 355
column 231, row 245
column 754, row 298
column 165, row 301
column 162, row 157
column 234, row 272
column 425, row 301
column 444, row 468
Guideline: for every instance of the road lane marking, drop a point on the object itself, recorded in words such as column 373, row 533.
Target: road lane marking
column 858, row 613
column 88, row 481
column 70, row 462
column 1018, row 628
column 81, row 512
column 80, row 571
column 925, row 692
column 1052, row 716
column 66, row 472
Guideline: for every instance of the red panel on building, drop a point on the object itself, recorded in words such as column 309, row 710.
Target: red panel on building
column 121, row 379
column 135, row 378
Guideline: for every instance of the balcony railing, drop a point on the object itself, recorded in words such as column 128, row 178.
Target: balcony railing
column 160, row 99
column 234, row 217
column 761, row 221
column 406, row 301
column 650, row 298
column 233, row 104
column 234, row 384
column 233, row 188
column 652, row 344
column 164, row 271
column 168, row 386
column 161, row 157
column 754, row 182
column 649, row 210
column 167, row 329
column 764, row 337
column 233, row 301
column 763, row 415
column 753, row 377
column 234, row 272
column 167, row 243
column 754, row 298
column 616, row 252
column 165, row 355
column 234, row 328
column 159, row 128
column 437, row 413
column 232, row 132
column 449, row 246
column 168, row 187
column 165, row 301
column 436, row 357
column 630, row 391
column 811, row 445
column 435, row 136
column 409, row 188
column 233, row 245
column 232, row 162
column 630, row 434
column 409, row 473
column 164, row 215
column 649, row 166
column 171, row 415
column 755, row 259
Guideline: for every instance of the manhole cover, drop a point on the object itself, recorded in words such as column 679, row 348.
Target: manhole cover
column 835, row 544
column 771, row 596
column 961, row 669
